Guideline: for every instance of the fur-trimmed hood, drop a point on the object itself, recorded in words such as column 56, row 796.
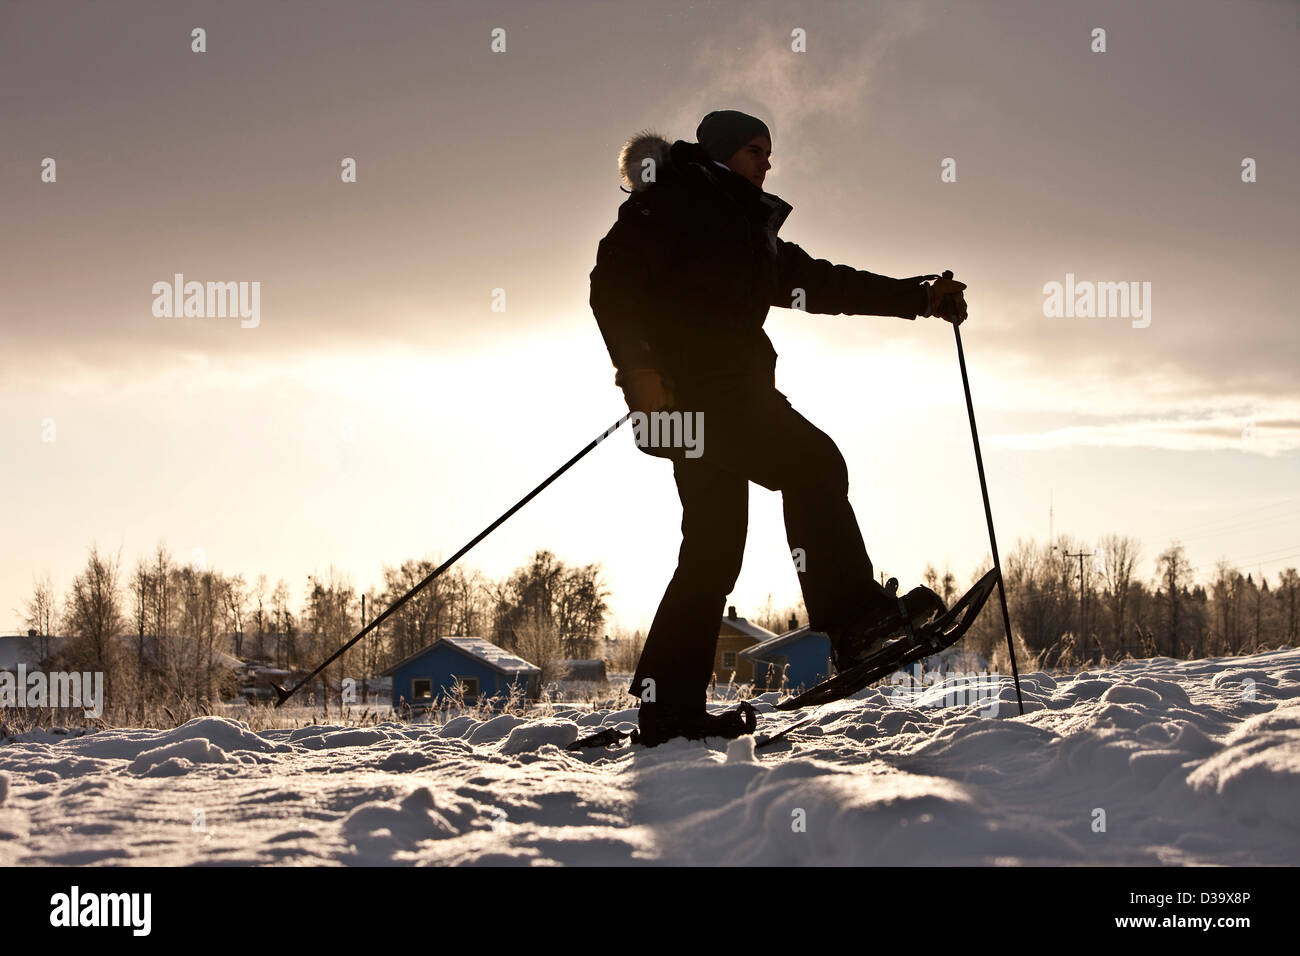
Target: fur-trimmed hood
column 644, row 145
column 681, row 160
column 687, row 161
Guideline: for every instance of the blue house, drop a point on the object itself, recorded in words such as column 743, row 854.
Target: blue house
column 803, row 655
column 485, row 669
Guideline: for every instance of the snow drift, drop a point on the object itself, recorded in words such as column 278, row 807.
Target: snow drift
column 1146, row 762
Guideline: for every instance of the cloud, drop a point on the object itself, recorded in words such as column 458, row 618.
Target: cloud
column 757, row 71
column 1269, row 437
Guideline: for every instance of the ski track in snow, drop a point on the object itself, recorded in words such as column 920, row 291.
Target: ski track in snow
column 1186, row 765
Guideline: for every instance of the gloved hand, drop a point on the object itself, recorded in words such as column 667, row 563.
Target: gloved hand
column 947, row 300
column 644, row 390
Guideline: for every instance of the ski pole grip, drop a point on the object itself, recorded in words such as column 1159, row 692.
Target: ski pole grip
column 947, row 299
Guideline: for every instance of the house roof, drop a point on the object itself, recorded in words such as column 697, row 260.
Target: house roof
column 776, row 644
column 219, row 657
column 17, row 649
column 498, row 658
column 745, row 628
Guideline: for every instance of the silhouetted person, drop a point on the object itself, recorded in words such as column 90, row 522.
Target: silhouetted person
column 681, row 288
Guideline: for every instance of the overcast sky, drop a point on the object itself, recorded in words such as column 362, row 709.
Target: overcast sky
column 380, row 410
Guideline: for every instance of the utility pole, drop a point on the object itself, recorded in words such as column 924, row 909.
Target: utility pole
column 141, row 579
column 1081, row 555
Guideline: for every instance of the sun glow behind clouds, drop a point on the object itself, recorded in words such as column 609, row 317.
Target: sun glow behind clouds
column 366, row 459
column 1214, row 432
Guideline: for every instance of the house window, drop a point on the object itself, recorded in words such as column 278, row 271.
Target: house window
column 470, row 684
column 422, row 688
column 728, row 660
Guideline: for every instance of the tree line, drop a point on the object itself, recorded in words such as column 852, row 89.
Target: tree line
column 1063, row 616
column 164, row 634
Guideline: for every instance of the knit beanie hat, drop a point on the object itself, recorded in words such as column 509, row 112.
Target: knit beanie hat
column 723, row 132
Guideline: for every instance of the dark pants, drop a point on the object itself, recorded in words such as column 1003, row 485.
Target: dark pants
column 751, row 433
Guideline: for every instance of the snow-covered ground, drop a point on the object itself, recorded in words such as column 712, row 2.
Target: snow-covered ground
column 1144, row 763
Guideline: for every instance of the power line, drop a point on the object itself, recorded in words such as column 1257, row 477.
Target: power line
column 1231, row 517
column 1243, row 526
column 1285, row 557
column 1263, row 554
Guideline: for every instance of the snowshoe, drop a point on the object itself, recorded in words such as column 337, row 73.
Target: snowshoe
column 660, row 724
column 607, row 737
column 943, row 632
column 886, row 616
column 611, row 737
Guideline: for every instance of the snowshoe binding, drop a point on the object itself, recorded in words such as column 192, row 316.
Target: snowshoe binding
column 660, row 724
column 886, row 616
column 944, row 631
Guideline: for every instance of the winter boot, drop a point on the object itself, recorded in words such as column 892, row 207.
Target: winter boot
column 882, row 619
column 660, row 723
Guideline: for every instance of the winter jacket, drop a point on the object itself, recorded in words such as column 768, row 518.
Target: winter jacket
column 685, row 277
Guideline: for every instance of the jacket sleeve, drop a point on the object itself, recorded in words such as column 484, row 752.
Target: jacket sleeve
column 622, row 285
column 834, row 290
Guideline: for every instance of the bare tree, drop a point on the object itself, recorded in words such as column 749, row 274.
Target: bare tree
column 142, row 590
column 1288, row 593
column 1174, row 573
column 41, row 613
column 949, row 584
column 328, row 618
column 467, row 609
column 579, row 609
column 1119, row 556
column 572, row 598
column 1260, row 592
column 626, row 649
column 258, row 598
column 777, row 620
column 369, row 647
column 285, row 631
column 1225, row 591
column 421, row 619
column 235, row 592
column 94, row 616
column 538, row 641
column 527, row 593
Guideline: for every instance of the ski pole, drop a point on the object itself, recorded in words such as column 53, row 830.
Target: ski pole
column 286, row 694
column 988, row 512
